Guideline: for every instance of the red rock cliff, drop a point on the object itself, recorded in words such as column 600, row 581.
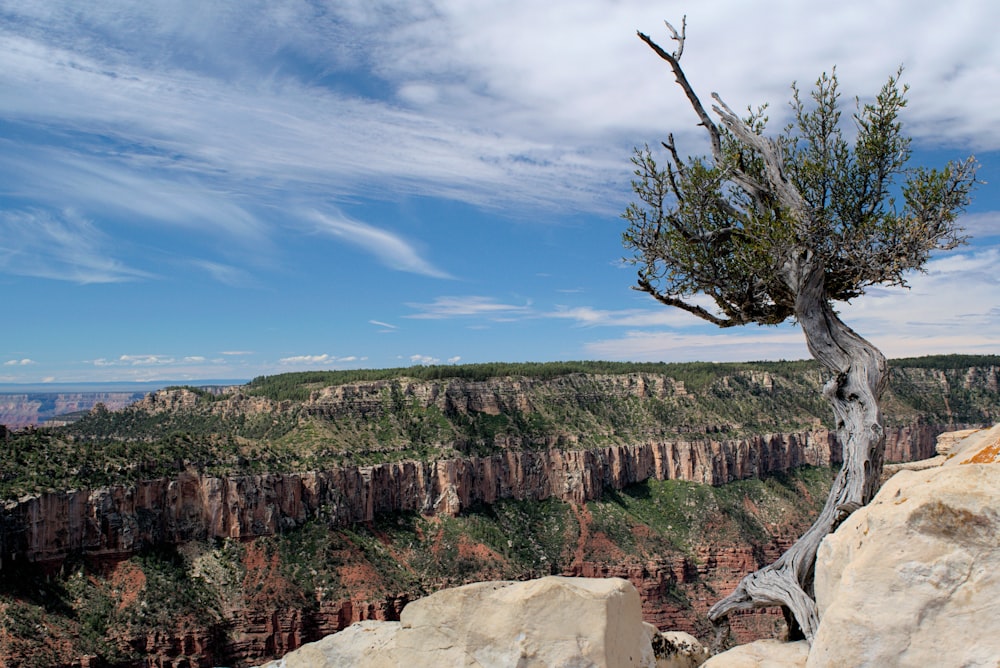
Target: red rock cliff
column 117, row 521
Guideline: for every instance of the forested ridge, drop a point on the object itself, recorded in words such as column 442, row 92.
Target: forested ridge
column 316, row 420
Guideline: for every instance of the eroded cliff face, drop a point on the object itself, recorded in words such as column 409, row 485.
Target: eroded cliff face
column 117, row 521
column 21, row 410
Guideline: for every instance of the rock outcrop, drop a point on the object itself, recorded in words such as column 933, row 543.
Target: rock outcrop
column 22, row 410
column 117, row 521
column 912, row 578
column 552, row 621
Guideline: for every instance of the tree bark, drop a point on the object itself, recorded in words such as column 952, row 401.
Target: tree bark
column 859, row 376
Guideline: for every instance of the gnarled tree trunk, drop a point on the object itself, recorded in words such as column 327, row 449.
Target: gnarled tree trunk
column 859, row 376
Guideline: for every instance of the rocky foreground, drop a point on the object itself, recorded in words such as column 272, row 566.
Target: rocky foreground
column 909, row 580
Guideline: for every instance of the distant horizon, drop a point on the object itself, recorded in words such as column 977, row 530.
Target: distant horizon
column 151, row 385
column 113, row 386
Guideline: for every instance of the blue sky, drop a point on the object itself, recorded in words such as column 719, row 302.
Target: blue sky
column 207, row 189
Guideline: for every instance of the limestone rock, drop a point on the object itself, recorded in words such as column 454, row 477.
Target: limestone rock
column 552, row 621
column 764, row 654
column 947, row 441
column 913, row 577
column 120, row 520
column 980, row 447
column 361, row 644
column 546, row 623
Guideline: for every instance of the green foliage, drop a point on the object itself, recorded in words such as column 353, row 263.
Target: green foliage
column 535, row 537
column 298, row 386
column 172, row 594
column 55, row 618
column 739, row 226
column 575, row 410
column 947, row 362
column 683, row 514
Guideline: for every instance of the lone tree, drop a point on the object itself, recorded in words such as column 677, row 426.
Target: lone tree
column 772, row 228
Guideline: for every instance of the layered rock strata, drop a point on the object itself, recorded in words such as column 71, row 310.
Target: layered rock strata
column 117, row 521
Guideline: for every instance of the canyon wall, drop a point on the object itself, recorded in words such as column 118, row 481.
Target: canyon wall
column 117, row 521
column 34, row 408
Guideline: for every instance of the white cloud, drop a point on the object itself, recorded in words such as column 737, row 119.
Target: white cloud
column 488, row 102
column 657, row 346
column 20, row 362
column 145, row 360
column 591, row 317
column 424, row 360
column 153, row 361
column 454, row 307
column 306, row 359
column 225, row 274
column 63, row 247
column 982, row 225
column 319, row 359
column 391, row 249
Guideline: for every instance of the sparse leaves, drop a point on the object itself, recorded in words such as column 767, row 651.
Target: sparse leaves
column 772, row 227
column 726, row 226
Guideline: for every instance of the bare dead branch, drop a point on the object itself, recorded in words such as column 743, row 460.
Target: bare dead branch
column 706, row 120
column 680, row 39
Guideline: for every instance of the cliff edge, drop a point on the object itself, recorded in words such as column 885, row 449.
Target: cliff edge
column 912, row 578
column 909, row 580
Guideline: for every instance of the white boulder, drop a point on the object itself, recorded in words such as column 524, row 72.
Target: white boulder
column 763, row 654
column 546, row 623
column 913, row 578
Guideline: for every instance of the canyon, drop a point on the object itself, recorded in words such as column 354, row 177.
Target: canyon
column 107, row 535
column 192, row 529
column 20, row 410
column 118, row 521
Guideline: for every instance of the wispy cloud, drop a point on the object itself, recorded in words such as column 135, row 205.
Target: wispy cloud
column 463, row 110
column 709, row 346
column 21, row 362
column 225, row 274
column 981, row 226
column 62, row 246
column 587, row 316
column 323, row 358
column 457, row 307
column 136, row 360
column 391, row 249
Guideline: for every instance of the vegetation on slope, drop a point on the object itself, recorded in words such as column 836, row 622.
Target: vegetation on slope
column 297, row 386
column 424, row 413
column 127, row 611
